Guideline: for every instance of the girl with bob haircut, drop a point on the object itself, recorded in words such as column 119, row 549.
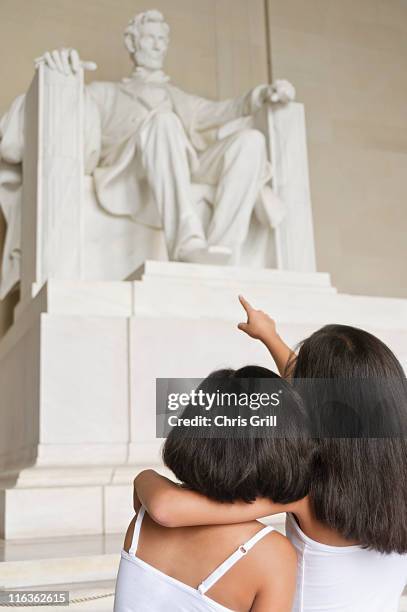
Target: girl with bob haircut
column 350, row 530
column 240, row 567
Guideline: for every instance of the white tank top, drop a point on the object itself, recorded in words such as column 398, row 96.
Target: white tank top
column 345, row 578
column 140, row 587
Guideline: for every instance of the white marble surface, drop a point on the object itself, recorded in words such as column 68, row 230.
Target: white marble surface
column 118, row 506
column 92, row 299
column 291, row 183
column 128, row 244
column 84, row 380
column 56, row 571
column 226, row 274
column 20, row 399
column 52, row 233
column 53, row 511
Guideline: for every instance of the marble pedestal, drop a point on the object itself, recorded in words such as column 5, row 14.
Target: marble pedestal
column 78, row 370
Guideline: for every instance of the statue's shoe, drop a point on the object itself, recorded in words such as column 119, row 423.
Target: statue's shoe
column 208, row 255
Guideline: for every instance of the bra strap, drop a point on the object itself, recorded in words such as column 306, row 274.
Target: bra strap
column 234, row 558
column 136, row 532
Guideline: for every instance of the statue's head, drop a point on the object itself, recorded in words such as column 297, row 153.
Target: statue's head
column 146, row 38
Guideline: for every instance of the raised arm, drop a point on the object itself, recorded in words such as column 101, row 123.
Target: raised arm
column 173, row 506
column 262, row 327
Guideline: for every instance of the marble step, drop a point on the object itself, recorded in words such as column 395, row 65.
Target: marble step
column 35, row 573
column 50, row 561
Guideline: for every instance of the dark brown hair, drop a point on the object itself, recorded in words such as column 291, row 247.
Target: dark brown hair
column 233, row 468
column 359, row 484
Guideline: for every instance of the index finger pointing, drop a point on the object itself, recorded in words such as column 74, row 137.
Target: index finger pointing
column 248, row 307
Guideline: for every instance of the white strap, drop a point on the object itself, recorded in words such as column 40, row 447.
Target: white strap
column 234, row 558
column 136, row 532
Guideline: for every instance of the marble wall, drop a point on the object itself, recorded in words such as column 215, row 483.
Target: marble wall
column 347, row 60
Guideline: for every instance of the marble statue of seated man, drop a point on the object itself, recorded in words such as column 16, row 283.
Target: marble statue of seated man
column 144, row 127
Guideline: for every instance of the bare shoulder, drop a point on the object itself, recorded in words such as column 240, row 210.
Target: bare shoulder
column 276, row 566
column 277, row 550
column 273, row 546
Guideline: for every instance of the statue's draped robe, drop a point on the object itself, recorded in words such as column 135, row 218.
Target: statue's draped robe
column 11, row 156
column 123, row 108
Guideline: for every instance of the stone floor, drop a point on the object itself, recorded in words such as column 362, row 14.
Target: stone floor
column 69, row 546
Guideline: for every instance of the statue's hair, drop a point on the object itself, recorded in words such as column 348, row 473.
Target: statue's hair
column 133, row 30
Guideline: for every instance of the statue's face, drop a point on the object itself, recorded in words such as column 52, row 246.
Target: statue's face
column 151, row 46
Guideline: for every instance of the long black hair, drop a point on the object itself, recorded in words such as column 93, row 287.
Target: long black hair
column 359, row 483
column 233, row 467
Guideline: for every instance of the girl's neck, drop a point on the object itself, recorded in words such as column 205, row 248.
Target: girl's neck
column 314, row 529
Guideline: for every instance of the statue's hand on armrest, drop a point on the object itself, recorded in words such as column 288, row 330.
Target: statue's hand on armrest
column 65, row 61
column 280, row 91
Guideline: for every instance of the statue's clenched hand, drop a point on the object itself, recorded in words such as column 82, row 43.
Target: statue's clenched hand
column 65, row 61
column 280, row 91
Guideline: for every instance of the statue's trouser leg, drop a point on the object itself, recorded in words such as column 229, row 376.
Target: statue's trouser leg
column 236, row 165
column 164, row 155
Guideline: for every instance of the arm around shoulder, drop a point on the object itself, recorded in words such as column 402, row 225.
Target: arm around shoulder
column 170, row 505
column 159, row 496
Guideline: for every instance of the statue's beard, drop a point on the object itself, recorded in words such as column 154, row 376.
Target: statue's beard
column 145, row 60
